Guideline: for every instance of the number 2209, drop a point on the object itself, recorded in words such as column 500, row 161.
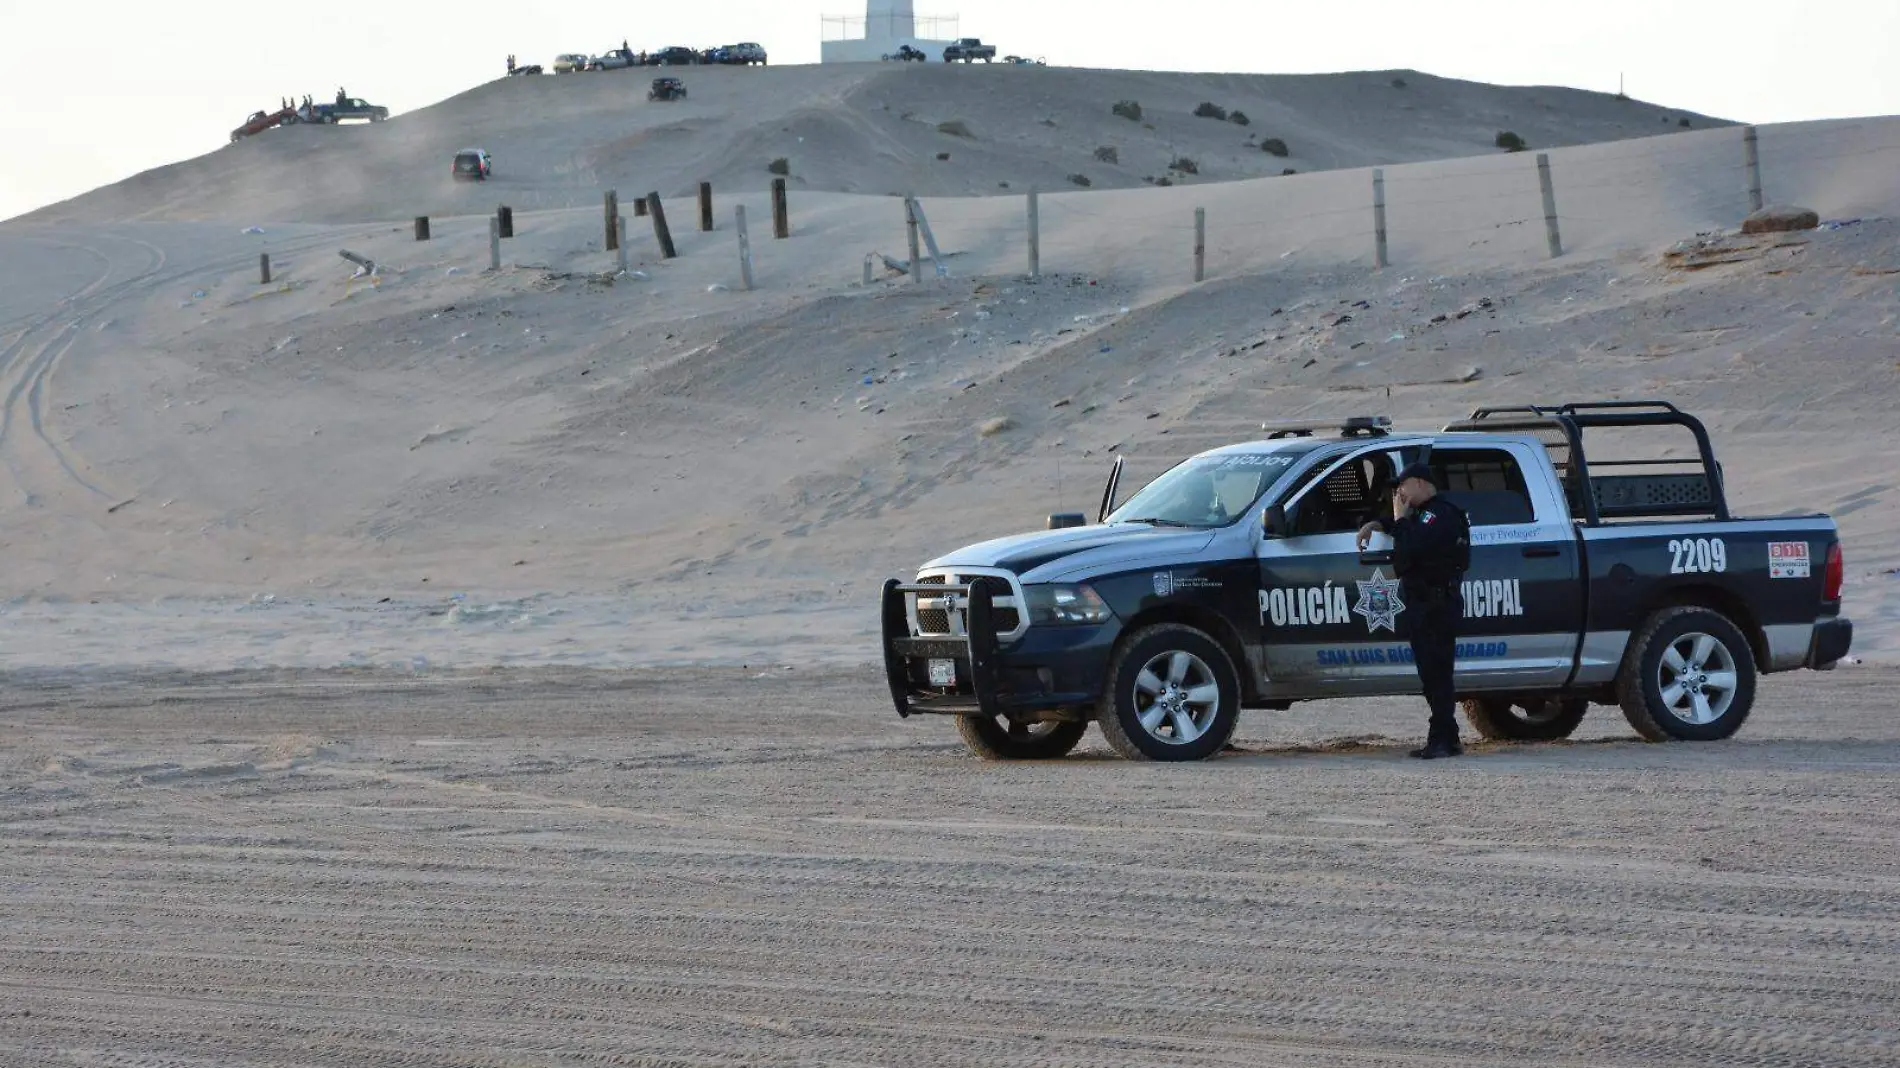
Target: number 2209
column 1695, row 556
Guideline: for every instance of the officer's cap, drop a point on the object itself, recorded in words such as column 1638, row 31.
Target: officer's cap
column 1419, row 471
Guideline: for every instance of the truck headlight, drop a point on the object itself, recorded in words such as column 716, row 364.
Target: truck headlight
column 1065, row 605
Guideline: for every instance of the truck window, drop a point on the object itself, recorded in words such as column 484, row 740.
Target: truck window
column 1487, row 483
column 1347, row 499
column 1205, row 491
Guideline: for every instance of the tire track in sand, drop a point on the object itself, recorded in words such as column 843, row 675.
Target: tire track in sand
column 29, row 376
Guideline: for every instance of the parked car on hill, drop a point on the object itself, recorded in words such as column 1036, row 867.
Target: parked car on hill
column 1602, row 575
column 569, row 63
column 968, row 49
column 342, row 109
column 472, row 165
column 614, row 59
column 261, row 121
column 744, row 53
column 674, row 57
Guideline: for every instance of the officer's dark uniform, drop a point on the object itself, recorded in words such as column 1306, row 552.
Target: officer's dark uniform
column 1431, row 552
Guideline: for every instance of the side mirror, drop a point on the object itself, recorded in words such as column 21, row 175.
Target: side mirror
column 1273, row 524
column 1064, row 520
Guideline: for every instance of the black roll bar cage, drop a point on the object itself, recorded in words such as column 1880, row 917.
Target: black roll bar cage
column 1575, row 417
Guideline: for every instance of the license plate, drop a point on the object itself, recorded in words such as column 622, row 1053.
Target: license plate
column 943, row 672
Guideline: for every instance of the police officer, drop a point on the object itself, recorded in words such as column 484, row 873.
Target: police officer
column 1431, row 550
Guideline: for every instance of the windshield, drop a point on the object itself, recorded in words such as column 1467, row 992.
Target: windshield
column 1206, row 491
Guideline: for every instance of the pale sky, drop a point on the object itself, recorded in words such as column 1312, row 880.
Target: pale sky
column 92, row 92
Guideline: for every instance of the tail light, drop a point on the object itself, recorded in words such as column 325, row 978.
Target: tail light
column 1836, row 572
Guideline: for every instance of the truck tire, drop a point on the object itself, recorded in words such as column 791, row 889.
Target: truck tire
column 1172, row 695
column 1688, row 675
column 1000, row 739
column 1524, row 719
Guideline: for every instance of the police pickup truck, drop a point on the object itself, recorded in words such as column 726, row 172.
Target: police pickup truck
column 1614, row 576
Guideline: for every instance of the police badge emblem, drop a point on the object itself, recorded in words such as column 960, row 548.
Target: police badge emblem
column 1164, row 583
column 1379, row 603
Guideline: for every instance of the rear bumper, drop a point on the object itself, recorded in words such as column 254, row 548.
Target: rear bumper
column 1832, row 638
column 1049, row 669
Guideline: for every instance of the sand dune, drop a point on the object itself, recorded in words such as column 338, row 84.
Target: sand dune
column 559, row 140
column 552, row 463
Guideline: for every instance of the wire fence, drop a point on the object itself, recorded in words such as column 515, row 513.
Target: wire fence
column 1593, row 192
column 1514, row 207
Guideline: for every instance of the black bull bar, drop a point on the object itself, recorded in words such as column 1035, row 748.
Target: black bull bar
column 975, row 652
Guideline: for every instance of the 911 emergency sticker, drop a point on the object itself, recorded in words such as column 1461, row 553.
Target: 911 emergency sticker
column 1789, row 560
column 1698, row 556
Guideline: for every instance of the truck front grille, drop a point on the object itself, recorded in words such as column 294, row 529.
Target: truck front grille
column 1006, row 617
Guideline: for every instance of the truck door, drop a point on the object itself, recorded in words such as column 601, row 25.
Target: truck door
column 1328, row 624
column 1523, row 595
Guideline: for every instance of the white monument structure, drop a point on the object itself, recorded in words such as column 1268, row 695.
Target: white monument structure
column 886, row 26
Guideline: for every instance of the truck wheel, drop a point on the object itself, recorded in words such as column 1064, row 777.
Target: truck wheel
column 1172, row 695
column 1000, row 738
column 1525, row 719
column 1688, row 675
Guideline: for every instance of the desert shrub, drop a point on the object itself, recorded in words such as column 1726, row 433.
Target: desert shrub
column 1510, row 142
column 1275, row 146
column 1108, row 154
column 1398, row 83
column 1288, row 171
column 1683, row 123
column 780, row 166
column 1185, row 166
column 941, row 156
column 1210, row 110
column 1239, row 118
column 1081, row 180
column 1127, row 109
column 955, row 128
column 1164, row 180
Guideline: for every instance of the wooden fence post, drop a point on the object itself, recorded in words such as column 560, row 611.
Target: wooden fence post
column 930, row 238
column 1200, row 244
column 494, row 244
column 745, row 247
column 1550, row 206
column 705, row 208
column 639, row 207
column 1035, row 236
column 609, row 211
column 1378, row 218
column 422, row 228
column 781, row 213
column 660, row 230
column 263, row 268
column 620, row 246
column 910, row 235
column 506, row 216
column 1751, row 157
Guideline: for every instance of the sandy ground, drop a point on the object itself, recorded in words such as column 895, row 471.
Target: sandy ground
column 713, row 867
